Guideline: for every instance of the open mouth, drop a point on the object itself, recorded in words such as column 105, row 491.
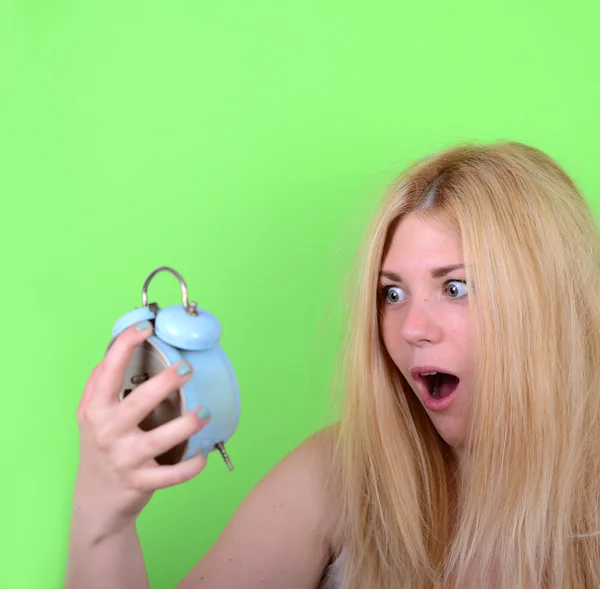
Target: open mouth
column 439, row 384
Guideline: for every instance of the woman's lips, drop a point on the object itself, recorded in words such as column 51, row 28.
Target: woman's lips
column 430, row 402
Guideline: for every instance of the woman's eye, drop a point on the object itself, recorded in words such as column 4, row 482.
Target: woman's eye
column 456, row 289
column 393, row 294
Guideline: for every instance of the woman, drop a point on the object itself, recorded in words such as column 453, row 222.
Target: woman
column 467, row 452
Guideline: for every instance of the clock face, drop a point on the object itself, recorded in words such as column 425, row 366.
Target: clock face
column 148, row 361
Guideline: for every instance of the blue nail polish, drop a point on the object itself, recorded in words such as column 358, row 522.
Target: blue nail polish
column 205, row 452
column 183, row 369
column 204, row 413
column 143, row 325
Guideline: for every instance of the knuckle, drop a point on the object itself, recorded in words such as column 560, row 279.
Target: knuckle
column 164, row 383
column 87, row 414
column 162, row 440
column 126, row 335
column 119, row 345
column 194, row 466
column 178, row 478
column 121, row 463
column 179, row 475
column 104, row 437
column 138, row 483
column 168, row 378
column 136, row 403
column 156, row 445
column 185, row 426
column 194, row 423
column 191, row 422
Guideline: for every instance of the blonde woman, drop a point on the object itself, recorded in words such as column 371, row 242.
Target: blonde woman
column 468, row 451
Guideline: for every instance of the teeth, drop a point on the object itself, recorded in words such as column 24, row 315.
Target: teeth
column 428, row 373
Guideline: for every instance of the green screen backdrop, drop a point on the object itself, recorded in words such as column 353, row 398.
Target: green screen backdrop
column 244, row 144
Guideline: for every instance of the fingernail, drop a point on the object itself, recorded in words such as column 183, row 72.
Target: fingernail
column 204, row 413
column 143, row 325
column 184, row 369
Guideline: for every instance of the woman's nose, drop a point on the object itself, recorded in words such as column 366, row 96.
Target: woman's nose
column 419, row 325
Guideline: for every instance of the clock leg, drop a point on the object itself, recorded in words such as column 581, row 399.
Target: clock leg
column 221, row 448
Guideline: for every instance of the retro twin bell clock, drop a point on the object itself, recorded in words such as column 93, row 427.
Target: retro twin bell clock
column 184, row 332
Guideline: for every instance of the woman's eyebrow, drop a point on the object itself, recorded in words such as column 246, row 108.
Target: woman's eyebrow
column 435, row 273
column 391, row 275
column 439, row 272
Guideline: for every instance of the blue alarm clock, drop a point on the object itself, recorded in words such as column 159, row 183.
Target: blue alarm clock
column 184, row 332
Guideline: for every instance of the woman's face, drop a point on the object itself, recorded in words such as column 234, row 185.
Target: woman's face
column 426, row 323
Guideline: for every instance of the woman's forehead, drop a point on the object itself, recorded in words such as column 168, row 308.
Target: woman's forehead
column 420, row 237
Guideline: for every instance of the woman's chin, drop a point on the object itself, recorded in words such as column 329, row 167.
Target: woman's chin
column 451, row 429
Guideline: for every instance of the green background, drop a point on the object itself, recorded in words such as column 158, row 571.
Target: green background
column 244, row 144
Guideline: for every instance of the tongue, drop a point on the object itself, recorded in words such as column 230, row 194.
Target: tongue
column 443, row 385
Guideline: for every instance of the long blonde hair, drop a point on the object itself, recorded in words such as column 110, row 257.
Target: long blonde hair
column 529, row 509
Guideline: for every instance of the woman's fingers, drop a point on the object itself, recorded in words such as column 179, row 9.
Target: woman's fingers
column 146, row 397
column 119, row 470
column 112, row 373
column 150, row 478
column 161, row 439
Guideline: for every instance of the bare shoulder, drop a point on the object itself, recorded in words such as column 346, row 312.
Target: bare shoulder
column 284, row 532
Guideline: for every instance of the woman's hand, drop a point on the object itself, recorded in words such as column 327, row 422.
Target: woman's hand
column 117, row 472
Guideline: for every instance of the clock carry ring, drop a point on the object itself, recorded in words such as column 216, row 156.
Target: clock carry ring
column 189, row 307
